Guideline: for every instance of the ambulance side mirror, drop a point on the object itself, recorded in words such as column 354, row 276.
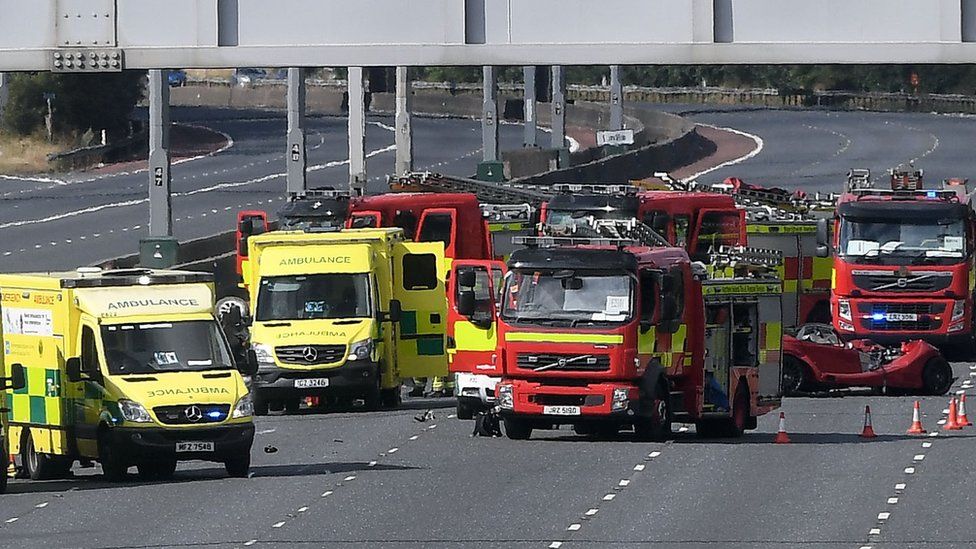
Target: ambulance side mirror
column 18, row 378
column 72, row 368
column 250, row 366
column 396, row 311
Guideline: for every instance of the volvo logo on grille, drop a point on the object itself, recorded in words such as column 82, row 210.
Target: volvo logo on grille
column 193, row 413
column 310, row 354
column 902, row 282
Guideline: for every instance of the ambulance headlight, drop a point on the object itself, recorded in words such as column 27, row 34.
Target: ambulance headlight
column 134, row 412
column 844, row 309
column 264, row 354
column 506, row 397
column 621, row 397
column 361, row 350
column 958, row 309
column 244, row 407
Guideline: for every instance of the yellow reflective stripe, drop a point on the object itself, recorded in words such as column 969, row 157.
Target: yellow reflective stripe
column 789, row 286
column 646, row 341
column 822, row 268
column 788, row 228
column 727, row 289
column 833, row 279
column 774, row 336
column 543, row 337
column 507, row 227
column 468, row 337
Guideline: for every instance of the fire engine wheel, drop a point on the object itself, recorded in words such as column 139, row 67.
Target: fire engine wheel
column 740, row 412
column 517, row 429
column 392, row 398
column 796, row 377
column 464, row 410
column 936, row 377
column 260, row 405
column 656, row 426
column 157, row 470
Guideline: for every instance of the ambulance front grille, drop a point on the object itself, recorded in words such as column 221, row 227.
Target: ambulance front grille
column 311, row 355
column 192, row 414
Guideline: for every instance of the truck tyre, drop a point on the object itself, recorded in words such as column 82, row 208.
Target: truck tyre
column 653, row 422
column 157, row 470
column 293, row 405
column 113, row 468
column 796, row 376
column 936, row 377
column 517, row 429
column 391, row 397
column 373, row 397
column 260, row 405
column 238, row 467
column 37, row 465
column 739, row 421
column 4, row 463
column 464, row 410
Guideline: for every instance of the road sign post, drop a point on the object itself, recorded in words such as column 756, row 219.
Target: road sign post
column 160, row 249
column 297, row 162
column 404, row 124
column 357, row 130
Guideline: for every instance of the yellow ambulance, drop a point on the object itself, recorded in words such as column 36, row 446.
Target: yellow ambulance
column 344, row 315
column 126, row 367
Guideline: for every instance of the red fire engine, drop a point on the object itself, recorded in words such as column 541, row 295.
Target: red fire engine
column 903, row 260
column 609, row 334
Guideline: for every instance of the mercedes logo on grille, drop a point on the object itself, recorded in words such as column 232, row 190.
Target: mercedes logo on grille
column 193, row 414
column 310, row 354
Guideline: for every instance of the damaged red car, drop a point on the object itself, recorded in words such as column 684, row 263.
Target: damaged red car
column 816, row 359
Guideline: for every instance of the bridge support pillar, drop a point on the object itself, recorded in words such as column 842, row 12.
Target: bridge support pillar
column 529, row 138
column 616, row 99
column 160, row 249
column 4, row 93
column 357, row 131
column 491, row 169
column 296, row 159
column 558, row 107
column 403, row 123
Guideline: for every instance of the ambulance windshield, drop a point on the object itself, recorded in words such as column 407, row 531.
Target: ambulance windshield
column 562, row 296
column 194, row 345
column 319, row 296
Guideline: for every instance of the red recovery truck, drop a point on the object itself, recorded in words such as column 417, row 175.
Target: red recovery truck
column 609, row 334
column 903, row 261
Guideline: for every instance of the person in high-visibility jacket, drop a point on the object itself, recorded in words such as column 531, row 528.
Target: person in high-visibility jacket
column 443, row 386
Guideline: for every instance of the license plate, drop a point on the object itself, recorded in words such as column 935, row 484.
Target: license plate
column 311, row 383
column 901, row 317
column 561, row 410
column 194, row 446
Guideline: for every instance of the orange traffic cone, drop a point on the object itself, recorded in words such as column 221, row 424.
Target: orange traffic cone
column 781, row 436
column 916, row 428
column 962, row 419
column 868, row 431
column 953, row 423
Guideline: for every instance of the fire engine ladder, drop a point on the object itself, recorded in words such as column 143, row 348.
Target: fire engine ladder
column 745, row 262
column 486, row 191
column 627, row 229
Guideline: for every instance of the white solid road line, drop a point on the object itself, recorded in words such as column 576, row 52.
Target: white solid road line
column 760, row 144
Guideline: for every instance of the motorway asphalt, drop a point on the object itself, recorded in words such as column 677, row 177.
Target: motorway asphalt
column 350, row 479
column 56, row 222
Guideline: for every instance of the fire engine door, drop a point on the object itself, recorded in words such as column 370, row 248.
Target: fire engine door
column 418, row 283
column 472, row 340
column 718, row 330
column 770, row 346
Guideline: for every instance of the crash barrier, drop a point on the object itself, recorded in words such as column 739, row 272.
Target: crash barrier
column 87, row 157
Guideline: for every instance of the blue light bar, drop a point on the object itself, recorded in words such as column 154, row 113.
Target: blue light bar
column 878, row 316
column 931, row 194
column 215, row 414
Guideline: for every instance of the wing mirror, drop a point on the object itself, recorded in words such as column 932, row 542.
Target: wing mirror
column 466, row 278
column 18, row 378
column 396, row 311
column 250, row 366
column 72, row 369
column 823, row 239
column 466, row 302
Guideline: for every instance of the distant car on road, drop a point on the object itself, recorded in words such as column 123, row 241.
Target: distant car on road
column 246, row 77
column 177, row 78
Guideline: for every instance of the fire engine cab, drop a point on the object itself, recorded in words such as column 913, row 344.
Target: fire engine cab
column 903, row 260
column 605, row 334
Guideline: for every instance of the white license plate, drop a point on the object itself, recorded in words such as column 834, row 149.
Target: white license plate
column 901, row 317
column 311, row 383
column 194, row 446
column 561, row 410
